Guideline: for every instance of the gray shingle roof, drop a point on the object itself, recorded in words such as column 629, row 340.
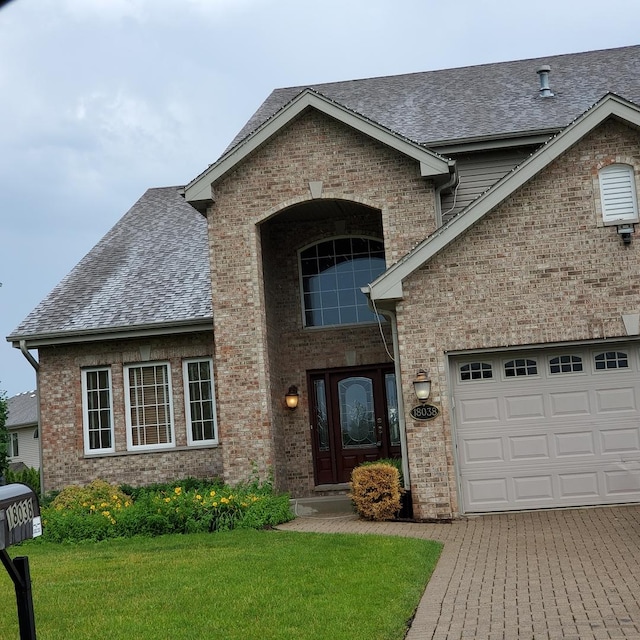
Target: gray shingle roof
column 490, row 100
column 151, row 268
column 23, row 409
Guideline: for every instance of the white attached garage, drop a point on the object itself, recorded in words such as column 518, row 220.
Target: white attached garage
column 547, row 428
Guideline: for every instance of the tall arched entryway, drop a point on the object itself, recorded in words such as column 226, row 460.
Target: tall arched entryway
column 323, row 338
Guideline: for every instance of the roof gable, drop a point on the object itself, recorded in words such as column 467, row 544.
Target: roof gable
column 149, row 273
column 431, row 164
column 389, row 285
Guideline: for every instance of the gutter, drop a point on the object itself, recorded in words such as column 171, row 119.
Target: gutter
column 36, row 365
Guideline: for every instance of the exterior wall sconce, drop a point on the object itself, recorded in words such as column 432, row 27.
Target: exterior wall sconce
column 422, row 385
column 626, row 231
column 291, row 398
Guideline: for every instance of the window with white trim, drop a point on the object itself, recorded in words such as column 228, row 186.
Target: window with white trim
column 97, row 410
column 200, row 403
column 332, row 273
column 618, row 194
column 149, row 406
column 12, row 449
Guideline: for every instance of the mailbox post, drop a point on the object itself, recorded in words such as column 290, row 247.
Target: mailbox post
column 19, row 520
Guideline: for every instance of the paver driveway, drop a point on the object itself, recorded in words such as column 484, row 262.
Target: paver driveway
column 570, row 574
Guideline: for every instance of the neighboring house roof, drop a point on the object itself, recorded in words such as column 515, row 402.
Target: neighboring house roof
column 22, row 410
column 474, row 103
column 431, row 164
column 389, row 285
column 149, row 273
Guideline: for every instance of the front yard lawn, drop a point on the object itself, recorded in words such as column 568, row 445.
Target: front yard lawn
column 236, row 585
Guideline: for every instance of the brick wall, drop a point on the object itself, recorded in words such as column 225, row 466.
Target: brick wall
column 59, row 380
column 263, row 347
column 539, row 268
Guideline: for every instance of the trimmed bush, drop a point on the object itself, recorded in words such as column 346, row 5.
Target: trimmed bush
column 375, row 491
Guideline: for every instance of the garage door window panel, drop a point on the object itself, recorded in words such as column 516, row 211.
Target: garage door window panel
column 611, row 360
column 473, row 371
column 566, row 363
column 520, row 367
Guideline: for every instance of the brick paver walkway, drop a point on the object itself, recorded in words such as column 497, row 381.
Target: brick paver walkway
column 544, row 575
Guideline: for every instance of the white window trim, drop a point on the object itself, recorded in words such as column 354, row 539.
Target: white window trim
column 127, row 403
column 187, row 403
column 85, row 413
column 13, row 442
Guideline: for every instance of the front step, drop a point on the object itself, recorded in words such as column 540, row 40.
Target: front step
column 319, row 507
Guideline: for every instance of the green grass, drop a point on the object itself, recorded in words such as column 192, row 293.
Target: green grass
column 240, row 585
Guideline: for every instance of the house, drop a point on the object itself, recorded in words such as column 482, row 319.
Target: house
column 472, row 228
column 22, row 425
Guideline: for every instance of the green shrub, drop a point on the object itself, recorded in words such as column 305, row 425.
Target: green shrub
column 101, row 511
column 375, row 491
column 30, row 477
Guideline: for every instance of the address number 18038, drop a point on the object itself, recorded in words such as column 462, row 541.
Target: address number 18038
column 425, row 412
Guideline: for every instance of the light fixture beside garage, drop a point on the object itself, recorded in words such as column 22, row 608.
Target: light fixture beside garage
column 422, row 385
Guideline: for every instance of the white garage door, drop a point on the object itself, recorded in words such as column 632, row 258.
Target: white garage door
column 549, row 428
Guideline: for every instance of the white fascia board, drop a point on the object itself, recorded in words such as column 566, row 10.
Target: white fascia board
column 115, row 333
column 431, row 164
column 389, row 284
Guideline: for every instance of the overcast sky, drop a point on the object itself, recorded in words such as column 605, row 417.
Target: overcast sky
column 102, row 99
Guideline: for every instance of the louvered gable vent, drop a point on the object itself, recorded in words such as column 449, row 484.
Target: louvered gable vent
column 618, row 193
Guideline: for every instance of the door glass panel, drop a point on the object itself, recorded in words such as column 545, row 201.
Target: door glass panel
column 392, row 408
column 322, row 420
column 357, row 420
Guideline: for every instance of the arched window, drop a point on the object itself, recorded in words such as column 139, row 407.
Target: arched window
column 618, row 194
column 332, row 273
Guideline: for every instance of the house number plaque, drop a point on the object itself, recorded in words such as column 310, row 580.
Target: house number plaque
column 425, row 412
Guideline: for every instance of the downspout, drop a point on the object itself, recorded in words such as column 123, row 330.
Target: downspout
column 452, row 182
column 36, row 365
column 391, row 315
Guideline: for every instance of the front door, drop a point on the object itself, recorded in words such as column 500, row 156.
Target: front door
column 354, row 419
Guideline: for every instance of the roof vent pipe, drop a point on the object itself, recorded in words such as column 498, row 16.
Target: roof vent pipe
column 543, row 72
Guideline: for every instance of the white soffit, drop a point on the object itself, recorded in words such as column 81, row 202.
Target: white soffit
column 389, row 285
column 431, row 164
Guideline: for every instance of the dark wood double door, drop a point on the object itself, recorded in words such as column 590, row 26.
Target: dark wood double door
column 354, row 419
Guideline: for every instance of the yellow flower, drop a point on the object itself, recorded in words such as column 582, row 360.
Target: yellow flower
column 215, row 504
column 167, row 499
column 92, row 507
column 198, row 497
column 104, row 504
column 114, row 497
column 224, row 500
column 106, row 514
column 213, row 493
column 113, row 521
column 127, row 503
column 178, row 490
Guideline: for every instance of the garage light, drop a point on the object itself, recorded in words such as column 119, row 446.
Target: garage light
column 422, row 385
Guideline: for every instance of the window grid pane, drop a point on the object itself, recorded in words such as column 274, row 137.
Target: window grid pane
column 520, row 367
column 566, row 364
column 476, row 371
column 201, row 410
column 333, row 273
column 98, row 409
column 150, row 412
column 612, row 360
